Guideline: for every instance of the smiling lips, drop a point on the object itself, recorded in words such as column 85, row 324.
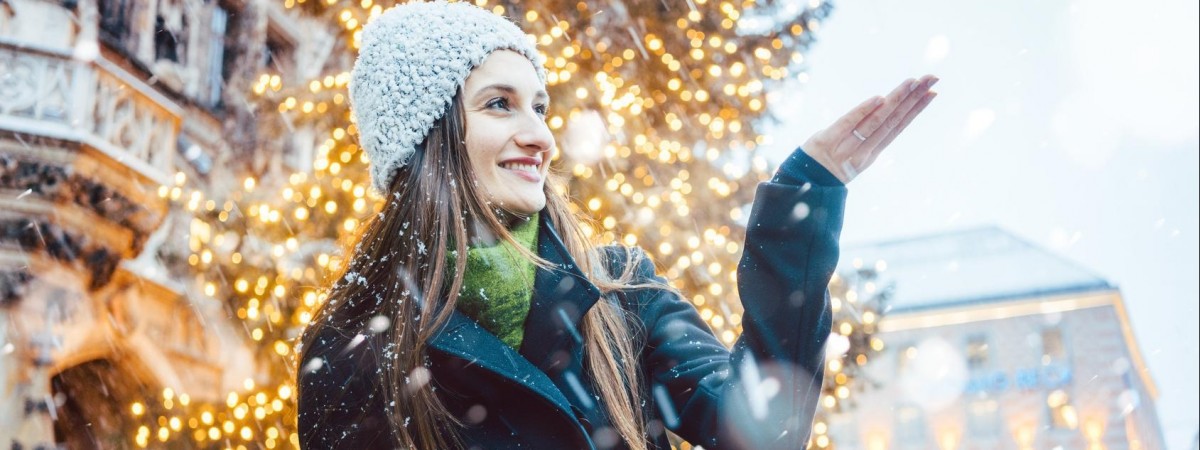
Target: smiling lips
column 526, row 171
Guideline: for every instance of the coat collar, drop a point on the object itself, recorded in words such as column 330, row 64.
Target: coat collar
column 561, row 297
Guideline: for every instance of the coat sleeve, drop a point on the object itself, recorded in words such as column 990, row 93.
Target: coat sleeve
column 763, row 392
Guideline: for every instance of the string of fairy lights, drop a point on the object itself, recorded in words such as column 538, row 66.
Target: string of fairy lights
column 667, row 162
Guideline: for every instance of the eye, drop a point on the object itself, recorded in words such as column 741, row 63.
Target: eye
column 498, row 102
column 541, row 109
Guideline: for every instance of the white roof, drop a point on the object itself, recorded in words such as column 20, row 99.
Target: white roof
column 977, row 265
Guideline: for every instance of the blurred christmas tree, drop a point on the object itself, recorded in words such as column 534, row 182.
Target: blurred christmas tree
column 858, row 298
column 657, row 108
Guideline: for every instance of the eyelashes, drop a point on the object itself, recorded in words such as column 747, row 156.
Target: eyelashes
column 498, row 103
column 503, row 104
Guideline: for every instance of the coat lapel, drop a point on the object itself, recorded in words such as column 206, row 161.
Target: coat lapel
column 560, row 299
column 464, row 338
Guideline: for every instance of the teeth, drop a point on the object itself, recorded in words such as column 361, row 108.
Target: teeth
column 522, row 167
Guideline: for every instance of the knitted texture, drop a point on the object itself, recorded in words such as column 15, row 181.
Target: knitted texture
column 413, row 58
column 498, row 286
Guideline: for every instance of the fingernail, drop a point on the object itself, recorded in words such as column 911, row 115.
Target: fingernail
column 912, row 86
column 933, row 82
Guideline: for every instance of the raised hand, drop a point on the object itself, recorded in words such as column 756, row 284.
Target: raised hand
column 851, row 144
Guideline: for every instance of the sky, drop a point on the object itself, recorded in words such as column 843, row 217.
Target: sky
column 1072, row 124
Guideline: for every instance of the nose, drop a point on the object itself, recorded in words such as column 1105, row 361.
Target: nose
column 534, row 134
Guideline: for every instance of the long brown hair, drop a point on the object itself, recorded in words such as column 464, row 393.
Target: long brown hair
column 397, row 270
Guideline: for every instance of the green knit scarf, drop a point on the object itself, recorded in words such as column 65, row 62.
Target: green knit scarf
column 498, row 286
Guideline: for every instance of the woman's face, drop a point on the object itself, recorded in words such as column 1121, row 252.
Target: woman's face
column 508, row 142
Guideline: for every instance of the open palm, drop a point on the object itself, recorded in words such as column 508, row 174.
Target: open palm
column 852, row 143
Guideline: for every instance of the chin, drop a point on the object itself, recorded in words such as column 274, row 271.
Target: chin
column 530, row 208
column 524, row 206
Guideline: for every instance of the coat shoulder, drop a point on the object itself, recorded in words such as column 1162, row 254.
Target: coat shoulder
column 620, row 258
column 645, row 292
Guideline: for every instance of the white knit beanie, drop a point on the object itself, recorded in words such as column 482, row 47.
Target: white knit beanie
column 412, row 60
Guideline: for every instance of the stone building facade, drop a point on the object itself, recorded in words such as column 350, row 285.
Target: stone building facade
column 993, row 343
column 104, row 106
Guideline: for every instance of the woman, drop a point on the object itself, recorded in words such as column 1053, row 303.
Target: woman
column 536, row 339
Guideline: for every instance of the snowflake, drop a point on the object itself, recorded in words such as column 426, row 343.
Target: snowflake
column 355, row 277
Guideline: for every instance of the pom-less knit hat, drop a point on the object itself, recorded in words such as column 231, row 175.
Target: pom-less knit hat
column 413, row 59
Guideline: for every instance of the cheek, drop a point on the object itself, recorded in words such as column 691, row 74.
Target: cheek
column 481, row 151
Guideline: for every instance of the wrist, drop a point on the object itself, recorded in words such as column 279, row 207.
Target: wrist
column 801, row 168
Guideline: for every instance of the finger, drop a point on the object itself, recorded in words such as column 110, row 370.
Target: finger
column 908, row 118
column 868, row 126
column 896, row 117
column 848, row 144
column 847, row 122
column 891, row 112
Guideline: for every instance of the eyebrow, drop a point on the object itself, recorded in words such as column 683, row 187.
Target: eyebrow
column 508, row 89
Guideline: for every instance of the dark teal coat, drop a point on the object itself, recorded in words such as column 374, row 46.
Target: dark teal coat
column 761, row 394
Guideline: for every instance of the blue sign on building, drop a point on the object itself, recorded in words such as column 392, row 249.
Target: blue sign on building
column 1045, row 377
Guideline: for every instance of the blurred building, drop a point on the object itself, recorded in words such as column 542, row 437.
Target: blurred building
column 993, row 343
column 104, row 106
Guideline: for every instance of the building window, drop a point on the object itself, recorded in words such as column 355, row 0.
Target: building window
column 275, row 56
column 1061, row 413
column 977, row 352
column 168, row 40
column 216, row 57
column 910, row 427
column 983, row 418
column 1053, row 349
column 116, row 17
column 280, row 56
